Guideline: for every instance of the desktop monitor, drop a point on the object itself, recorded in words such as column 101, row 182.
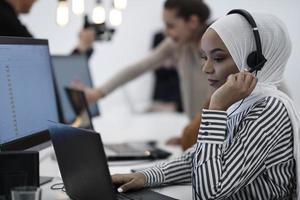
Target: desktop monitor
column 66, row 70
column 27, row 93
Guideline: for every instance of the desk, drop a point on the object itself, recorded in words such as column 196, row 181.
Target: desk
column 113, row 129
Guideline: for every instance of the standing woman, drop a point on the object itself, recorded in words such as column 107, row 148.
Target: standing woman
column 185, row 22
column 247, row 146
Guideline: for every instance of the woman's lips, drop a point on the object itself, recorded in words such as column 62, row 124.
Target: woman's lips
column 212, row 82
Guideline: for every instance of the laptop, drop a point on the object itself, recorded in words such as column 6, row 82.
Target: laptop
column 115, row 152
column 83, row 166
column 77, row 100
column 68, row 69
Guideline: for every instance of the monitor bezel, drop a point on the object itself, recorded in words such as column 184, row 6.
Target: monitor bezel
column 22, row 40
column 41, row 139
column 37, row 141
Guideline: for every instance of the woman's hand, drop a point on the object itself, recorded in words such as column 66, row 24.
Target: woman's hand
column 238, row 86
column 174, row 141
column 127, row 182
column 92, row 94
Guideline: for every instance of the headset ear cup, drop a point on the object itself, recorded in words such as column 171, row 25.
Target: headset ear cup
column 252, row 60
column 255, row 61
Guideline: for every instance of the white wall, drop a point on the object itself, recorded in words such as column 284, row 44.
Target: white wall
column 133, row 40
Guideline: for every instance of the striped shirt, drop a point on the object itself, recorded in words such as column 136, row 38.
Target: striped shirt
column 246, row 156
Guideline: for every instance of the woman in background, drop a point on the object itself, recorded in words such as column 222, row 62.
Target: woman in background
column 185, row 21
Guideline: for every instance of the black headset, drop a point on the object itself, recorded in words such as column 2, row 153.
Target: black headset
column 255, row 59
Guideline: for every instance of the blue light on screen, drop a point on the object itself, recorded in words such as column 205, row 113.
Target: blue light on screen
column 26, row 91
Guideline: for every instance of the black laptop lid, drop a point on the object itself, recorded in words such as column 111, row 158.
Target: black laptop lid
column 82, row 162
column 80, row 107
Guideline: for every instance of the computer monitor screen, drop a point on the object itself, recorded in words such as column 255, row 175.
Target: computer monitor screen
column 66, row 70
column 27, row 93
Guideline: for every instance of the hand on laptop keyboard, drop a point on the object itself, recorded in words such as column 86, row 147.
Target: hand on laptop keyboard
column 127, row 182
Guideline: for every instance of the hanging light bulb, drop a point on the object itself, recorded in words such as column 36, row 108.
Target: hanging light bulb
column 99, row 13
column 120, row 4
column 62, row 13
column 78, row 7
column 115, row 17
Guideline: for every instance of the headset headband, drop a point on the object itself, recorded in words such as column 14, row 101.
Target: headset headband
column 256, row 59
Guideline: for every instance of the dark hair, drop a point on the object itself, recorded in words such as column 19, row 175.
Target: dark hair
column 187, row 8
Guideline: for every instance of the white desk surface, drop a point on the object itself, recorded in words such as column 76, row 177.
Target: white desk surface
column 113, row 129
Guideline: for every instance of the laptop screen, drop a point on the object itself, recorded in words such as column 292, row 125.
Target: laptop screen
column 67, row 69
column 26, row 88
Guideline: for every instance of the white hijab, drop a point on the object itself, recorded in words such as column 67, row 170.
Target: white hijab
column 237, row 35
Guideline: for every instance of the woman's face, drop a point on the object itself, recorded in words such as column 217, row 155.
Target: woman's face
column 179, row 29
column 218, row 63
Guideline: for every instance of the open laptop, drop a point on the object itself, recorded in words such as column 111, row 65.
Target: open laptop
column 83, row 166
column 77, row 100
column 114, row 152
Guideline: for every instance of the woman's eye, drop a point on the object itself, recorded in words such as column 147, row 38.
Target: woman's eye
column 203, row 57
column 219, row 59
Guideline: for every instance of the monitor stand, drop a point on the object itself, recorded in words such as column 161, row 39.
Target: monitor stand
column 45, row 179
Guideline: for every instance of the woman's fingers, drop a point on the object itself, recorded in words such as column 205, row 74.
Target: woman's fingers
column 129, row 181
column 131, row 185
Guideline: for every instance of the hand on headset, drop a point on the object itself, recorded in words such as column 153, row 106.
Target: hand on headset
column 237, row 87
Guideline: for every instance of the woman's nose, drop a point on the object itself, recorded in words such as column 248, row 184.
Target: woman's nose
column 207, row 67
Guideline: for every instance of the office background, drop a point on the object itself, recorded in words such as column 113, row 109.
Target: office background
column 133, row 37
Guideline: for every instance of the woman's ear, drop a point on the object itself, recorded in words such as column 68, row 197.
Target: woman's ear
column 193, row 22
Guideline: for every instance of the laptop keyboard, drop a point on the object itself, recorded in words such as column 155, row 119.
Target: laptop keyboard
column 134, row 151
column 122, row 148
column 120, row 196
column 145, row 194
column 123, row 197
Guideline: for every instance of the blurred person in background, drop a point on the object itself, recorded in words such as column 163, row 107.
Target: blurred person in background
column 166, row 93
column 10, row 24
column 185, row 22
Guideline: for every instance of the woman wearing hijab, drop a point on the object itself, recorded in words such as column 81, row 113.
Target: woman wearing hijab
column 247, row 145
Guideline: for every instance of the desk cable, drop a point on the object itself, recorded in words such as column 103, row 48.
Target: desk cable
column 58, row 186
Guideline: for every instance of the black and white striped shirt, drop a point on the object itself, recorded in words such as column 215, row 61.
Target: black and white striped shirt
column 246, row 156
